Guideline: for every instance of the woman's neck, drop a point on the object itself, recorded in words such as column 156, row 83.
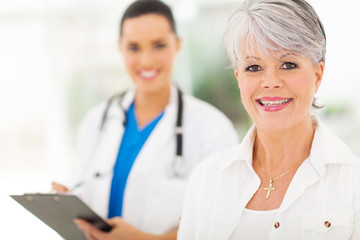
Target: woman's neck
column 280, row 151
column 148, row 105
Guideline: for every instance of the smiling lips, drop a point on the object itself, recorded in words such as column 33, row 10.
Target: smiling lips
column 148, row 74
column 271, row 104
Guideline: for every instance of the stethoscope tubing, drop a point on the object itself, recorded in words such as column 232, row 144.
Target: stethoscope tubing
column 177, row 166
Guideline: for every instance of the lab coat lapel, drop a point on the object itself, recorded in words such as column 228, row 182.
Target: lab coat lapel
column 104, row 158
column 161, row 134
column 111, row 135
column 148, row 164
column 109, row 141
column 159, row 138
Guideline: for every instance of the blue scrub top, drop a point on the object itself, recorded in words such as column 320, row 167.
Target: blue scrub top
column 131, row 144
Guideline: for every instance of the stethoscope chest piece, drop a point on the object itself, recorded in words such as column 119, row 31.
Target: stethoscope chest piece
column 177, row 168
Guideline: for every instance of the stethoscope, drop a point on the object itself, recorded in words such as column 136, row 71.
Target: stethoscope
column 176, row 168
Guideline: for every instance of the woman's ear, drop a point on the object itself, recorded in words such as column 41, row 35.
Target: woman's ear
column 236, row 73
column 319, row 72
column 178, row 44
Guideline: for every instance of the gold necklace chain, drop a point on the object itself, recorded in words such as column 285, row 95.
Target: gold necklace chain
column 271, row 181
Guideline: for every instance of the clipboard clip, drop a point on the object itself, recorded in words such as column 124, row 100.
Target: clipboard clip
column 29, row 196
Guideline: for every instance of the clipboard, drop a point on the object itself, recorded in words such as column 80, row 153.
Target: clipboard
column 58, row 211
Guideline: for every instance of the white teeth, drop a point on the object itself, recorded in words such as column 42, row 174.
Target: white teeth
column 274, row 103
column 148, row 74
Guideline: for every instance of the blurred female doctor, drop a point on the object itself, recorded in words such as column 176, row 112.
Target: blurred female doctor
column 138, row 149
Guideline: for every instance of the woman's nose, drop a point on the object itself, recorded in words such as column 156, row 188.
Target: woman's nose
column 146, row 58
column 271, row 79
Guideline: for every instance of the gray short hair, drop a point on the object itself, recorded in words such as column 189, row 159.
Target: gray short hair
column 274, row 25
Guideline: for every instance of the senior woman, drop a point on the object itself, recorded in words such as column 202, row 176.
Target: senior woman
column 291, row 177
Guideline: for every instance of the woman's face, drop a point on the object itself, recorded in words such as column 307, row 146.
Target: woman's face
column 149, row 47
column 278, row 91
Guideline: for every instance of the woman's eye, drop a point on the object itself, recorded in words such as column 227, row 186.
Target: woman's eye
column 253, row 68
column 160, row 46
column 289, row 66
column 133, row 48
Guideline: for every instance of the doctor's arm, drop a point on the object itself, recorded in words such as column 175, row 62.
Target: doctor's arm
column 121, row 230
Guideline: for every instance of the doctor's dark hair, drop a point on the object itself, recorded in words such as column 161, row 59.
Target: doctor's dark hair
column 142, row 7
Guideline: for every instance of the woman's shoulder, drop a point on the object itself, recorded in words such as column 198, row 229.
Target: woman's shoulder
column 93, row 116
column 96, row 110
column 331, row 148
column 330, row 155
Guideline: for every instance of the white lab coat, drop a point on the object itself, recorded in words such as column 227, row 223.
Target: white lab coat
column 152, row 198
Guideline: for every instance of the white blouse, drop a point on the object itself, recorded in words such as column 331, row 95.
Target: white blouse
column 254, row 225
column 321, row 203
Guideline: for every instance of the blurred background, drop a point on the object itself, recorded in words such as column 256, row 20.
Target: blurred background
column 59, row 58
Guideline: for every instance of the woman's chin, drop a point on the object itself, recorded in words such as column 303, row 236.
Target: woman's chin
column 273, row 128
column 272, row 125
column 152, row 87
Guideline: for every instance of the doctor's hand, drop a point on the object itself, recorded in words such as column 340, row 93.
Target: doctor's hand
column 121, row 231
column 59, row 187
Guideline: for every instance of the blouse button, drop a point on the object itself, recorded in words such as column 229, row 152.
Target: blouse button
column 327, row 224
column 276, row 224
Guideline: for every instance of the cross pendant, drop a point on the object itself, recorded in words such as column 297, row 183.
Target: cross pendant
column 269, row 189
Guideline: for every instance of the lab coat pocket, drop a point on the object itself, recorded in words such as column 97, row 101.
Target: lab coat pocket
column 335, row 225
column 164, row 200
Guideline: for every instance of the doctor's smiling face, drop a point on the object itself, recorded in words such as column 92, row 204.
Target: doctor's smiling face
column 149, row 47
column 278, row 90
